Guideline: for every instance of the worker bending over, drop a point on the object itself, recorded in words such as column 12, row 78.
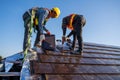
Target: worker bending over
column 75, row 23
column 36, row 18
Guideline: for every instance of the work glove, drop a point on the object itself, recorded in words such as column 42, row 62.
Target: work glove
column 48, row 33
column 67, row 38
column 42, row 37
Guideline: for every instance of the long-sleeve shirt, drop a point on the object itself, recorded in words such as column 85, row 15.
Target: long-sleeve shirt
column 41, row 14
column 65, row 22
column 77, row 19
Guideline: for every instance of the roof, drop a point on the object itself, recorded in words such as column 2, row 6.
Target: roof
column 98, row 62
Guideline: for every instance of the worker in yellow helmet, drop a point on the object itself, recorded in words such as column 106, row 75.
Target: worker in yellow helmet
column 36, row 18
column 74, row 22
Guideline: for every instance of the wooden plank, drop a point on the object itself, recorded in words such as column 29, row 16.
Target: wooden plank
column 101, row 48
column 102, row 45
column 67, row 52
column 100, row 56
column 82, row 77
column 76, row 59
column 50, row 68
column 101, row 52
column 9, row 73
column 100, row 61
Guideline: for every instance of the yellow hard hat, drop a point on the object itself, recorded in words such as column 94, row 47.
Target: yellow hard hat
column 57, row 11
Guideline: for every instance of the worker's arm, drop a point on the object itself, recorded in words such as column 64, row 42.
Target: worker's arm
column 64, row 26
column 64, row 30
column 70, row 34
column 44, row 28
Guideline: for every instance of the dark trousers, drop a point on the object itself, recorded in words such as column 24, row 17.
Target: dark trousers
column 26, row 19
column 77, row 32
column 77, row 35
column 27, row 33
column 37, row 36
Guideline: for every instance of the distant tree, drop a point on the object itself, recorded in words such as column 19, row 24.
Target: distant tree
column 0, row 58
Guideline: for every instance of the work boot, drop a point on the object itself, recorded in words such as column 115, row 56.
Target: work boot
column 78, row 52
column 71, row 48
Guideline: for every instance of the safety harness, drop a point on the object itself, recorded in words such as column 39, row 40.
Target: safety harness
column 36, row 19
column 70, row 26
column 30, row 34
column 33, row 24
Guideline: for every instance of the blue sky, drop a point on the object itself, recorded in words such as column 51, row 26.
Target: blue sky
column 103, row 21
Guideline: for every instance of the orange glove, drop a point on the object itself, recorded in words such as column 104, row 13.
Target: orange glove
column 48, row 33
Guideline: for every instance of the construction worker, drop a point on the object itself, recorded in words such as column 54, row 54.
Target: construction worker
column 74, row 22
column 36, row 18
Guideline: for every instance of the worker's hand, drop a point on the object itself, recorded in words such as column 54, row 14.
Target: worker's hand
column 48, row 33
column 67, row 38
column 42, row 37
column 63, row 39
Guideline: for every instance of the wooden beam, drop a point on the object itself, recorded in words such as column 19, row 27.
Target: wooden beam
column 83, row 77
column 48, row 68
column 67, row 59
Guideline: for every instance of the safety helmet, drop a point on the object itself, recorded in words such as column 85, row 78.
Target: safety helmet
column 57, row 11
